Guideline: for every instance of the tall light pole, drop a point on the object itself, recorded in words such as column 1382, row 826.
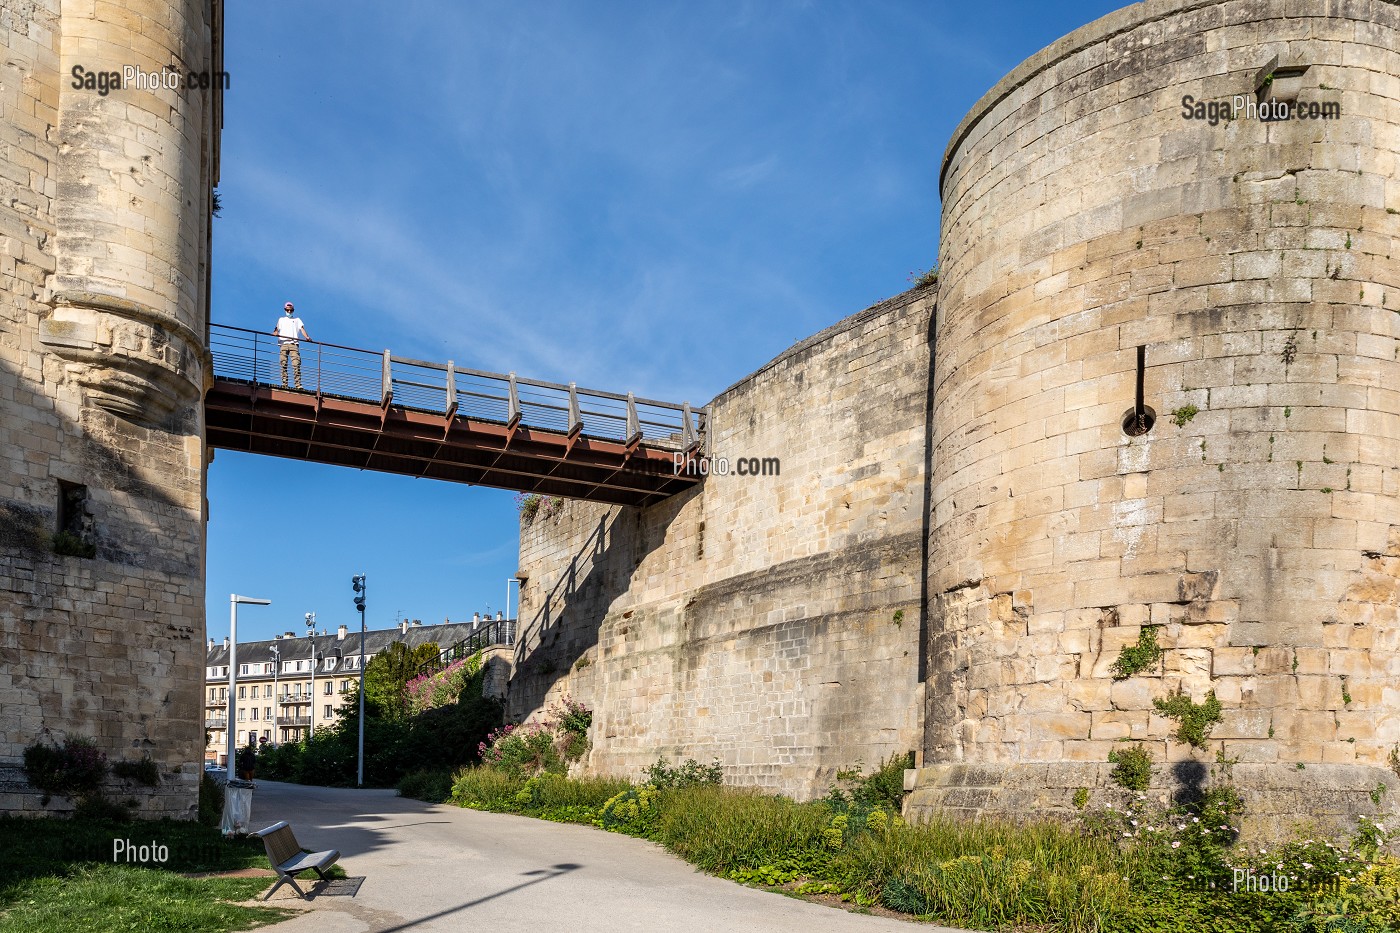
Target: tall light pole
column 233, row 601
column 311, row 636
column 276, row 700
column 359, row 583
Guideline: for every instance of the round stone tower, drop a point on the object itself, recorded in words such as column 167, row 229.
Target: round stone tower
column 106, row 168
column 1121, row 211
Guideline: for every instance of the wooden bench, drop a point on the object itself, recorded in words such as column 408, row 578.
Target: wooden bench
column 288, row 860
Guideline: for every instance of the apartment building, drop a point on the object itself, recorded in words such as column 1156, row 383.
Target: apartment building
column 291, row 685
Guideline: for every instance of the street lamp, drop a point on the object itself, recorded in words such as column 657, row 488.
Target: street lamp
column 359, row 584
column 311, row 635
column 276, row 700
column 233, row 601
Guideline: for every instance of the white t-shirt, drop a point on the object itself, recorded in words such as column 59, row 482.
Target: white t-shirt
column 288, row 328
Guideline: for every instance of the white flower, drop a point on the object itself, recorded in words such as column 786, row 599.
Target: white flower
column 1134, row 822
column 1177, row 844
column 1127, row 834
column 1307, row 867
column 1195, row 819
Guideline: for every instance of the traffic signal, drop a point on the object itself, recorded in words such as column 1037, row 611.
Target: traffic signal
column 358, row 582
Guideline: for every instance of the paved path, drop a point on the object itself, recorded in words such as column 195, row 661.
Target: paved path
column 438, row 868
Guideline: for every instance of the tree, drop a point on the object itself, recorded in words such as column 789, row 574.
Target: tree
column 389, row 671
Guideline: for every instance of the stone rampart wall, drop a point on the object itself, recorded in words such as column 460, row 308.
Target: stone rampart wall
column 770, row 621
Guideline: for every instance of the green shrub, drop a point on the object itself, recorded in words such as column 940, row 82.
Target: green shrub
column 67, row 544
column 211, row 801
column 634, row 811
column 1194, row 720
column 431, row 786
column 690, row 774
column 95, row 807
column 1134, row 659
column 722, row 829
column 486, row 789
column 74, row 769
column 142, row 771
column 1132, row 767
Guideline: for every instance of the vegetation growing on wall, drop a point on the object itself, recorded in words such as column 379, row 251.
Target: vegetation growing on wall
column 1194, row 720
column 1136, row 658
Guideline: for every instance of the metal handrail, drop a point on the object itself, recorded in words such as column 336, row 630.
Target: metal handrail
column 491, row 634
column 330, row 369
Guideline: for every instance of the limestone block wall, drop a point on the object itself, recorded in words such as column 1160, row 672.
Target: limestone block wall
column 770, row 621
column 1258, row 529
column 104, row 249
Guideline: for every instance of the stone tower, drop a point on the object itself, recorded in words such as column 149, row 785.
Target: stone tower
column 1089, row 212
column 105, row 204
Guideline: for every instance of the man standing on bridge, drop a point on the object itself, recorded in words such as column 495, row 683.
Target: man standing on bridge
column 287, row 330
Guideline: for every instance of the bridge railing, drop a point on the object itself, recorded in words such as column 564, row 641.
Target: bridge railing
column 328, row 369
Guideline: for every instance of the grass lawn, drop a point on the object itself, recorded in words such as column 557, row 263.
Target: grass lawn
column 60, row 876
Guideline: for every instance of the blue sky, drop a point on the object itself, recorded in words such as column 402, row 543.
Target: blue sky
column 647, row 196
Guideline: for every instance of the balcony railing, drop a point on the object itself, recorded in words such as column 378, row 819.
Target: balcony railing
column 216, row 723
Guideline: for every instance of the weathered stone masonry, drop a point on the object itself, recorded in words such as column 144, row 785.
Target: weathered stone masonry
column 773, row 621
column 104, row 250
column 1256, row 262
column 1084, row 218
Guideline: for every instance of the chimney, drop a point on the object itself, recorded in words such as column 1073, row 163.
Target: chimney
column 476, row 618
column 290, row 635
column 403, row 627
column 225, row 641
column 417, row 621
column 499, row 615
column 340, row 633
column 211, row 644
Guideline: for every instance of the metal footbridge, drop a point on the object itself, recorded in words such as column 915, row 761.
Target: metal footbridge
column 373, row 410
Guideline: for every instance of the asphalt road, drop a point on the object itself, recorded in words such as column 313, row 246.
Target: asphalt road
column 438, row 868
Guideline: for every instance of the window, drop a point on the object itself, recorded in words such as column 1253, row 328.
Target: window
column 212, row 694
column 328, row 713
column 244, row 670
column 330, row 688
column 223, row 693
column 240, row 718
column 267, row 735
column 242, row 736
column 308, row 688
column 254, row 716
column 269, row 668
column 287, row 667
column 267, row 712
column 243, row 693
column 267, row 691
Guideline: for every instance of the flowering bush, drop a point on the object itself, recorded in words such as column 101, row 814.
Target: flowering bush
column 548, row 746
column 441, row 688
column 532, row 504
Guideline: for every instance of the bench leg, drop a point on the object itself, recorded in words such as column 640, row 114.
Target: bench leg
column 285, row 879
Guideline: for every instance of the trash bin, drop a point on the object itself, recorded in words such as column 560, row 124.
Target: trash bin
column 238, row 806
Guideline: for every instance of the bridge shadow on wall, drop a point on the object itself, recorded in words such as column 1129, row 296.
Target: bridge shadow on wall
column 559, row 628
column 93, row 469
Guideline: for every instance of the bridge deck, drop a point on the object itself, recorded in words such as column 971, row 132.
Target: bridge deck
column 376, row 411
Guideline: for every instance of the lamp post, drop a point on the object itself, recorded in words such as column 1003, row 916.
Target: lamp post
column 360, row 592
column 233, row 602
column 311, row 636
column 276, row 700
